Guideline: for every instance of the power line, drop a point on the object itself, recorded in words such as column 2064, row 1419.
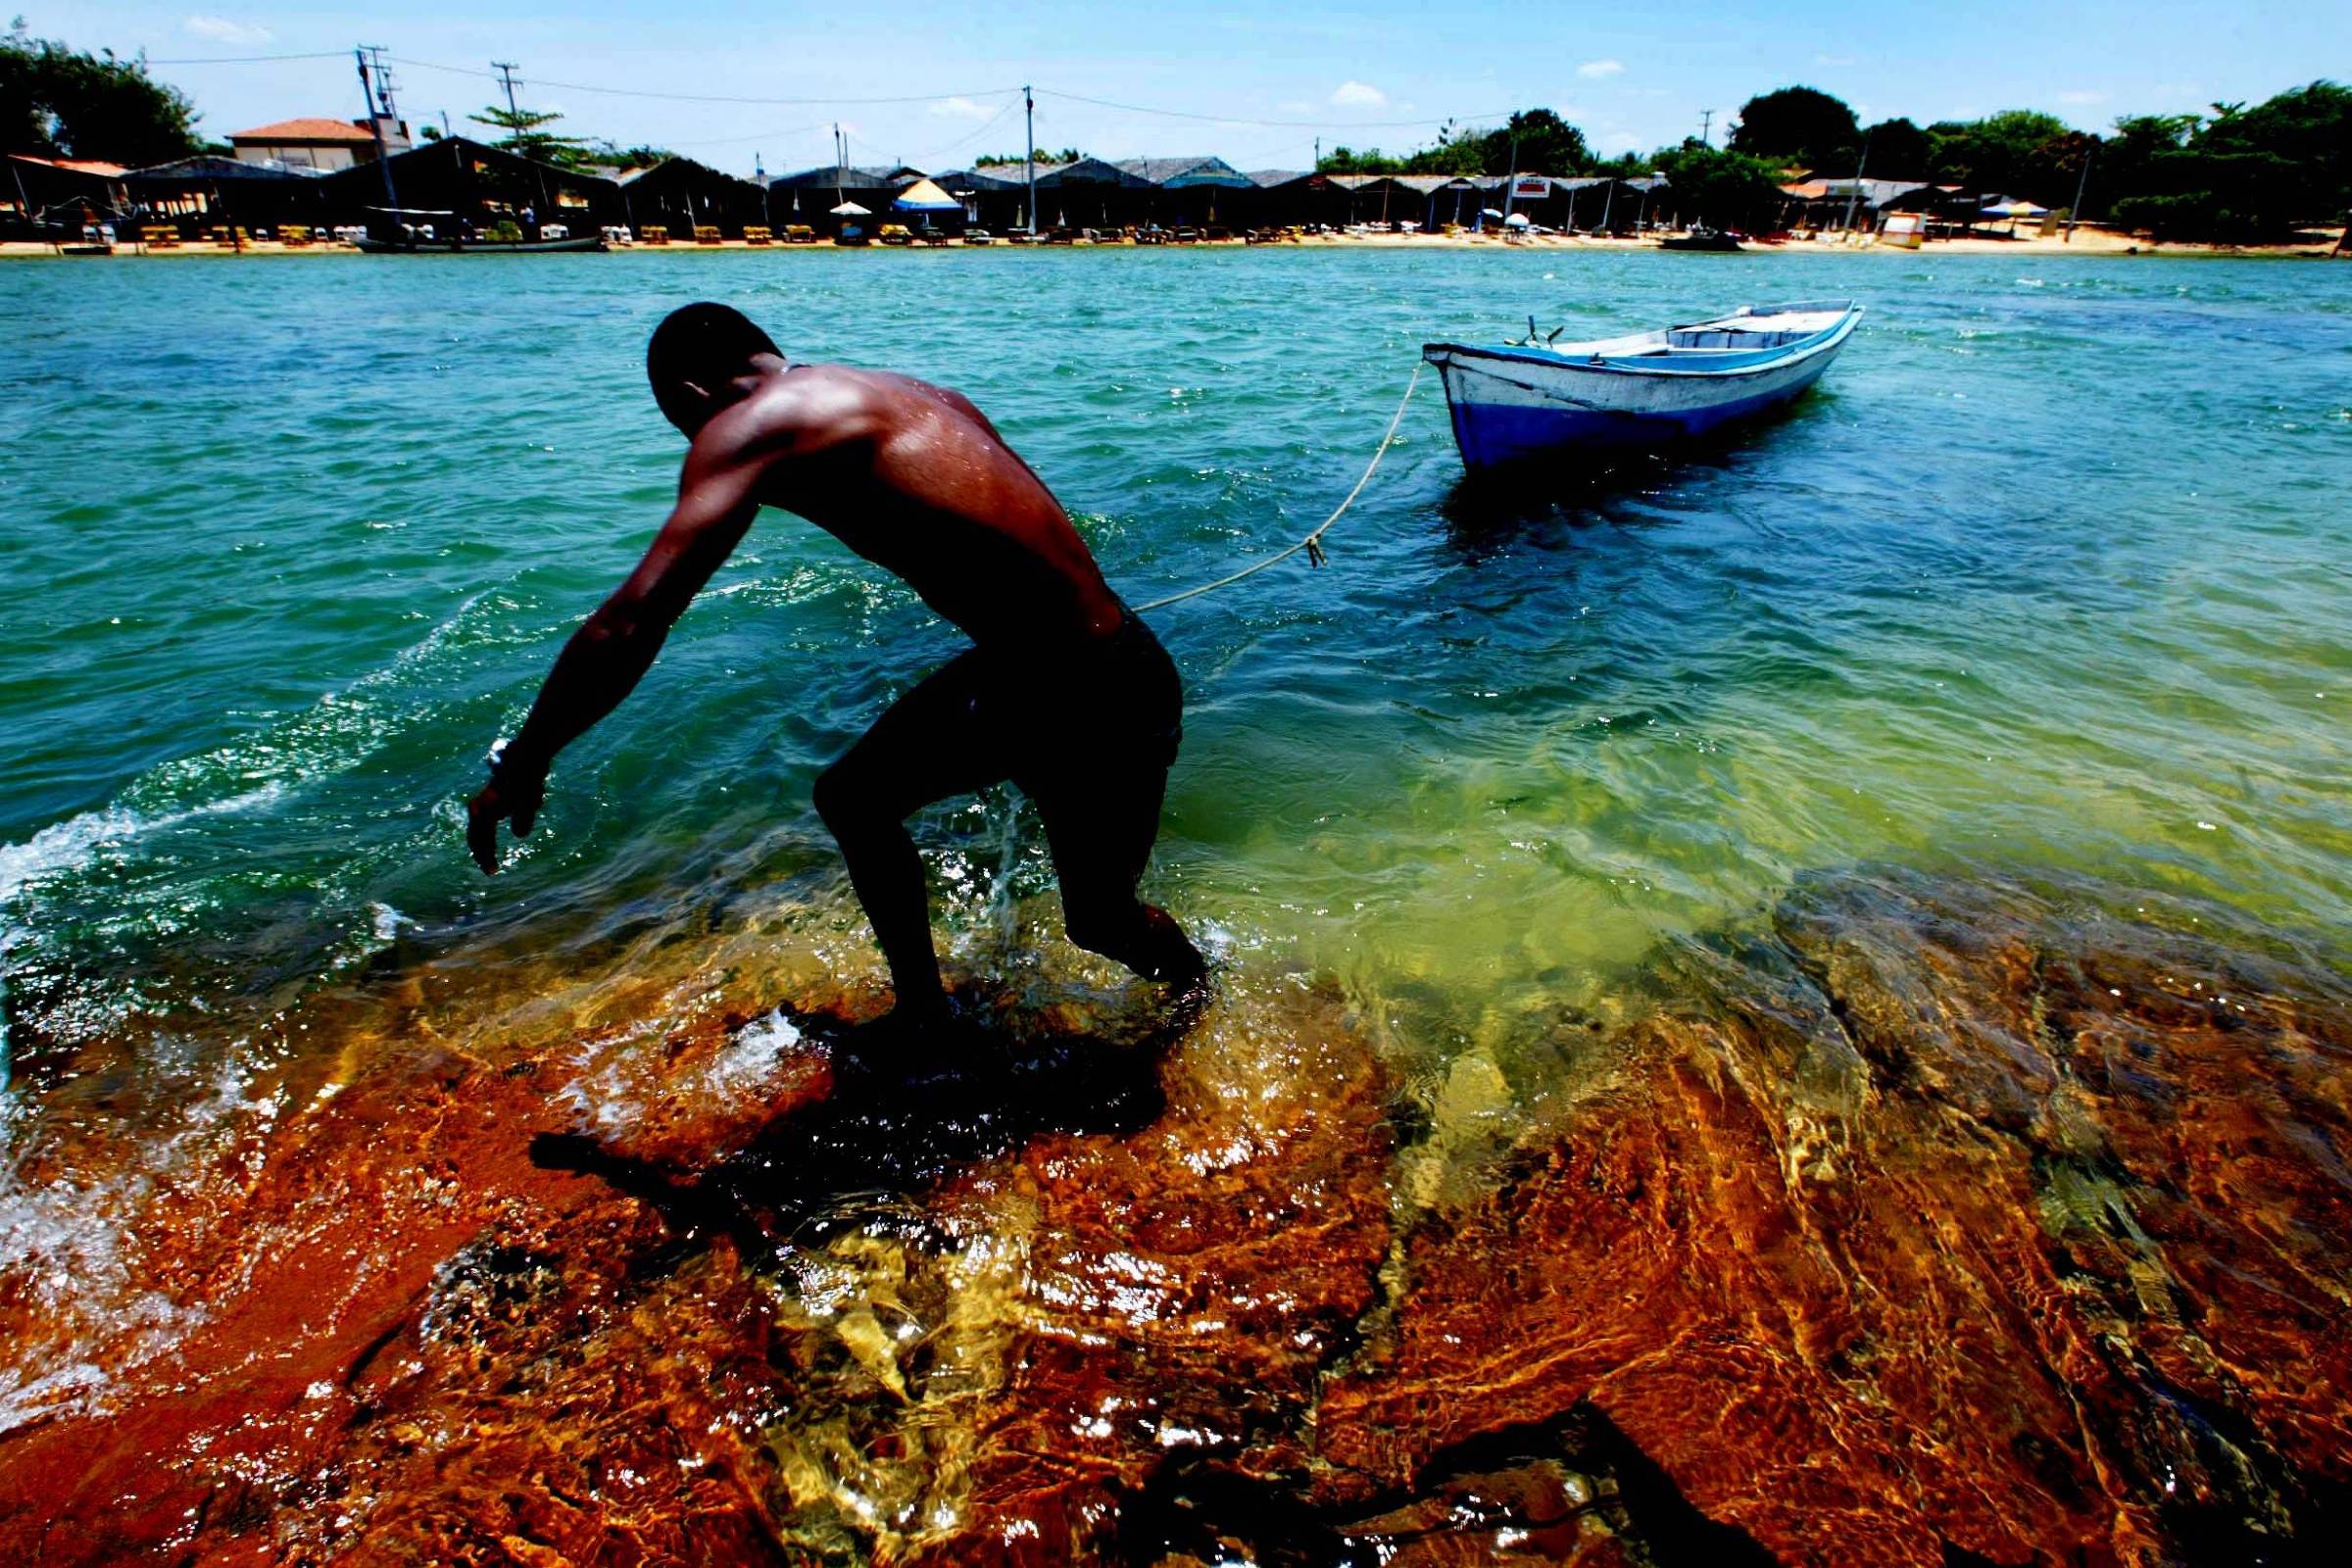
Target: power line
column 703, row 97
column 244, row 59
column 502, row 76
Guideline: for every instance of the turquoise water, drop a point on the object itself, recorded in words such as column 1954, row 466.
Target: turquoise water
column 2050, row 574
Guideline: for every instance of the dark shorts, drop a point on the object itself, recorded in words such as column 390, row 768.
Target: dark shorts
column 1086, row 730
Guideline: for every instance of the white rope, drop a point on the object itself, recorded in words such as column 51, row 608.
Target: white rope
column 1308, row 543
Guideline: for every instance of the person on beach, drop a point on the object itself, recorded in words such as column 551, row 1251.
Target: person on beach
column 1064, row 692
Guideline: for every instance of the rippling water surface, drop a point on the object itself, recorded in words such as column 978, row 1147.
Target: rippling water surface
column 2049, row 576
column 2051, row 571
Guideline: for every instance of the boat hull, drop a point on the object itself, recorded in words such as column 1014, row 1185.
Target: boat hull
column 1512, row 410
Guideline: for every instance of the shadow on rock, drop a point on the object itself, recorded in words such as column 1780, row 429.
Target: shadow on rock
column 903, row 1116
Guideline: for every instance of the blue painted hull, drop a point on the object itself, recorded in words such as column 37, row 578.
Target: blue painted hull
column 1501, row 435
column 1517, row 403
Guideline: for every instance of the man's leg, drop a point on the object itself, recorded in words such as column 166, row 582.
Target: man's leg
column 930, row 744
column 1100, row 828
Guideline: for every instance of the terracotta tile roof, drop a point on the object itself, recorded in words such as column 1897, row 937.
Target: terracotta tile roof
column 78, row 166
column 307, row 128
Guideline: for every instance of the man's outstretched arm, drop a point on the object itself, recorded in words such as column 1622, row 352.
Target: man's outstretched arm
column 613, row 648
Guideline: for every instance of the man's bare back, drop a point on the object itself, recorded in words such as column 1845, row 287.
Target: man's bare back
column 1065, row 692
column 914, row 479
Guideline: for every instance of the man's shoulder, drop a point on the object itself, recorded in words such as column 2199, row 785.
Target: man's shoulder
column 805, row 407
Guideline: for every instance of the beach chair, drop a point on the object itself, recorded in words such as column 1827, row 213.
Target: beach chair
column 799, row 234
column 652, row 234
column 158, row 236
column 294, row 236
column 759, row 235
column 707, row 234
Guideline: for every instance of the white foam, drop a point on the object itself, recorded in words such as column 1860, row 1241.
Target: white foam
column 71, row 1247
column 73, row 842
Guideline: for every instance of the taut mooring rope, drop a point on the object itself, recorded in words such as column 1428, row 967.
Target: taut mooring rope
column 1314, row 552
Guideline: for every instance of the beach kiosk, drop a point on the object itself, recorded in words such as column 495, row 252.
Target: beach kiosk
column 927, row 204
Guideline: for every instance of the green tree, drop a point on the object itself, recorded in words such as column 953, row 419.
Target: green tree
column 2247, row 175
column 1535, row 141
column 1348, row 161
column 58, row 101
column 1897, row 150
column 2310, row 127
column 1457, row 151
column 1068, row 155
column 610, row 155
column 1800, row 126
column 1720, row 188
column 2019, row 152
column 525, row 139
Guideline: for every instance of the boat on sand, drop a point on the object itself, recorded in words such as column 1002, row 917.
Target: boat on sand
column 1515, row 403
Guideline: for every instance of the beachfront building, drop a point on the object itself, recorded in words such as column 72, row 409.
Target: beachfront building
column 1836, row 203
column 1581, row 204
column 319, row 143
column 808, row 196
column 459, row 186
column 1184, row 192
column 45, row 198
column 196, row 195
column 682, row 196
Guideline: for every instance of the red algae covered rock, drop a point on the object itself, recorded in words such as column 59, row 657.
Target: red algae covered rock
column 1934, row 1225
column 1928, row 1224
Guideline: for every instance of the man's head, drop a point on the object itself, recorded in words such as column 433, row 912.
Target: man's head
column 697, row 355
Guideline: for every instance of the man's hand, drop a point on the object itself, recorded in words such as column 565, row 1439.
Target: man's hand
column 515, row 795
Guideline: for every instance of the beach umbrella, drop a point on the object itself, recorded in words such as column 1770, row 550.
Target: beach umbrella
column 851, row 210
column 1488, row 211
column 923, row 196
column 2015, row 210
column 1518, row 220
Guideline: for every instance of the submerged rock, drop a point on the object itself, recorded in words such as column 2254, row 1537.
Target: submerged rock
column 1934, row 1225
column 1928, row 1224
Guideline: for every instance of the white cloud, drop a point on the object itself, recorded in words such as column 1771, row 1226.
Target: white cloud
column 1621, row 141
column 960, row 109
column 1359, row 95
column 1595, row 70
column 2083, row 95
column 219, row 30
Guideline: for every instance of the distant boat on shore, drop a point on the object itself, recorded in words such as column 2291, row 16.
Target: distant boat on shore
column 1701, row 239
column 1514, row 403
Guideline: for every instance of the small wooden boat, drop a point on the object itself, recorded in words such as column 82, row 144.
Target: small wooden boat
column 1701, row 239
column 1517, row 401
column 478, row 247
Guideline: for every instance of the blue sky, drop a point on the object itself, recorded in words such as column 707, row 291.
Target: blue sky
column 1378, row 73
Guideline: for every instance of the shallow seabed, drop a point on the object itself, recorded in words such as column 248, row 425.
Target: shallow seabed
column 2043, row 590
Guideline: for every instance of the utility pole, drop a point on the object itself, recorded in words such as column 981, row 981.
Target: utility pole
column 375, row 121
column 1706, row 121
column 1318, row 163
column 1029, row 114
column 1860, row 163
column 506, row 79
column 2075, row 212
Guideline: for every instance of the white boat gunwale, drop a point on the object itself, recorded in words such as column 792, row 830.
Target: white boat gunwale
column 1617, row 355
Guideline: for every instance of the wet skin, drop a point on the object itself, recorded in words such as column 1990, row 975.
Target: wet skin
column 914, row 479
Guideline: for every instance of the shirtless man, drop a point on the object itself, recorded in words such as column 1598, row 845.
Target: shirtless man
column 1065, row 692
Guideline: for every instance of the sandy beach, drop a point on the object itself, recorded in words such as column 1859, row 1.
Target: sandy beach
column 2087, row 241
